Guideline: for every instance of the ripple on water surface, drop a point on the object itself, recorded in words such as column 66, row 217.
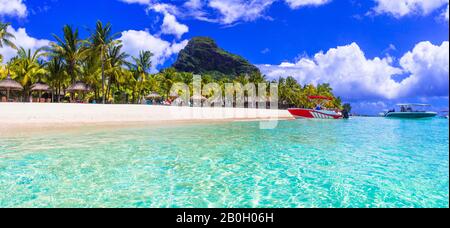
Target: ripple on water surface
column 357, row 163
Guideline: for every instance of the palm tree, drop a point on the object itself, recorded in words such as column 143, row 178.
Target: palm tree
column 90, row 71
column 142, row 65
column 27, row 67
column 102, row 39
column 166, row 79
column 347, row 107
column 133, row 81
column 71, row 49
column 116, row 59
column 5, row 38
column 56, row 75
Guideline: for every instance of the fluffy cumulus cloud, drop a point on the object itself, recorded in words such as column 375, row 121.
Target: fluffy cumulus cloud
column 355, row 77
column 14, row 8
column 400, row 8
column 170, row 24
column 22, row 39
column 428, row 66
column 136, row 41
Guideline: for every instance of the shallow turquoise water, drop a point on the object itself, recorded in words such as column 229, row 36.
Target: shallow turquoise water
column 364, row 162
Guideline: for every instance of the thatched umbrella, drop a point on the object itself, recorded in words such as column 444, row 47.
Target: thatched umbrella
column 10, row 85
column 40, row 87
column 79, row 87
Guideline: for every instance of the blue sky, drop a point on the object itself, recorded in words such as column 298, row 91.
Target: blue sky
column 374, row 52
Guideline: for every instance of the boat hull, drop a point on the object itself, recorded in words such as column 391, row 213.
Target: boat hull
column 411, row 115
column 300, row 113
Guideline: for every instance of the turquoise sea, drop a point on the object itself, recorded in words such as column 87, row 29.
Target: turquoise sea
column 363, row 162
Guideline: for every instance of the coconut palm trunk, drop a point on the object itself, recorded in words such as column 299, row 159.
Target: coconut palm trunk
column 103, row 79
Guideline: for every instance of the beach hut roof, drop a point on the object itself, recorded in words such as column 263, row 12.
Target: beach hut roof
column 10, row 84
column 40, row 87
column 79, row 87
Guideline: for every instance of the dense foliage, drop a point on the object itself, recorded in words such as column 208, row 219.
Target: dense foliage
column 115, row 77
column 203, row 56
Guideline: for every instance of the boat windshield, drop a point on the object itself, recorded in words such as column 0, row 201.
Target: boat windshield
column 413, row 107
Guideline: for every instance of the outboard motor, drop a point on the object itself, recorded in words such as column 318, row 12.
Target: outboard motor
column 345, row 114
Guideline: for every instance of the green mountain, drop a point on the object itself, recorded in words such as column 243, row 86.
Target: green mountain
column 203, row 56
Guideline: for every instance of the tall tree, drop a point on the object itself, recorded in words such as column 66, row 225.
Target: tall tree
column 90, row 72
column 71, row 49
column 56, row 75
column 27, row 68
column 116, row 59
column 142, row 65
column 6, row 37
column 103, row 39
column 347, row 107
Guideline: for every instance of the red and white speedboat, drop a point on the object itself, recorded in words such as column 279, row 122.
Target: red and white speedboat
column 303, row 113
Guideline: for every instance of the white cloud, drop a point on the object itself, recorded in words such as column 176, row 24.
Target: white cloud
column 172, row 26
column 445, row 14
column 14, row 8
column 136, row 41
column 224, row 11
column 142, row 2
column 299, row 3
column 239, row 10
column 355, row 77
column 428, row 66
column 400, row 8
column 245, row 10
column 170, row 23
column 232, row 11
column 22, row 39
column 194, row 4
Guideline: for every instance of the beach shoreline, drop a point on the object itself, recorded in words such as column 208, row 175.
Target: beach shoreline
column 24, row 117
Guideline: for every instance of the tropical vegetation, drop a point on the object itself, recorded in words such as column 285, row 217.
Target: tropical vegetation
column 115, row 77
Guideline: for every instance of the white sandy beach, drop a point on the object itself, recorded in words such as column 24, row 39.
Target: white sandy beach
column 29, row 115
